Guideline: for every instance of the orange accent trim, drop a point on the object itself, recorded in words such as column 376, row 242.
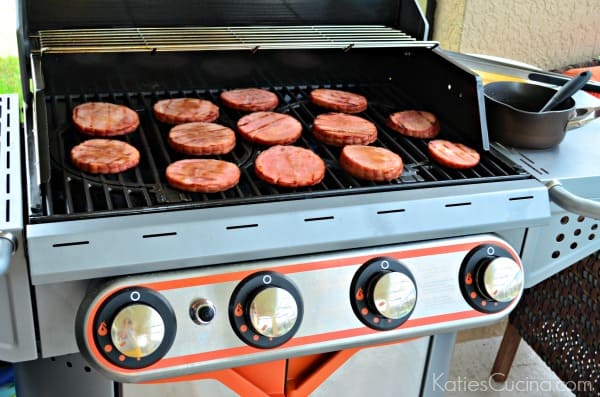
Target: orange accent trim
column 229, row 377
column 305, row 267
column 310, row 339
column 318, row 370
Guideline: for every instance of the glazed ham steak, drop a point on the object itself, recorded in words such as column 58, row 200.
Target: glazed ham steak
column 289, row 166
column 371, row 162
column 452, row 155
column 339, row 129
column 203, row 175
column 414, row 123
column 200, row 138
column 104, row 119
column 104, row 156
column 339, row 101
column 250, row 99
column 269, row 128
column 185, row 110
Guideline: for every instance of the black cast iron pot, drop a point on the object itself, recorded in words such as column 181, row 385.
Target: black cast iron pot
column 514, row 119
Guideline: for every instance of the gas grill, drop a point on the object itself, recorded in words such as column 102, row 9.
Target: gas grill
column 123, row 279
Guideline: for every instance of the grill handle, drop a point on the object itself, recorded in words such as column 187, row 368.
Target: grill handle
column 8, row 246
column 571, row 202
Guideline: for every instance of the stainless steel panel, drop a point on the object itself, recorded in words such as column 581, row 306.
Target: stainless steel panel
column 382, row 371
column 57, row 306
column 66, row 376
column 567, row 239
column 17, row 333
column 86, row 249
column 329, row 322
column 390, row 370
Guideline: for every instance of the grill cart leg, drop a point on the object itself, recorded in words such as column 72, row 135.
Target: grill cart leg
column 438, row 364
column 506, row 353
column 64, row 376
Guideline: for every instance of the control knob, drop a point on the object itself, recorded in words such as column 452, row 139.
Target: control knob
column 133, row 328
column 383, row 293
column 500, row 279
column 265, row 309
column 490, row 278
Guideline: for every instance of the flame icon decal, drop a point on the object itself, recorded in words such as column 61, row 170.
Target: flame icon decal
column 102, row 330
column 360, row 295
column 238, row 312
column 469, row 279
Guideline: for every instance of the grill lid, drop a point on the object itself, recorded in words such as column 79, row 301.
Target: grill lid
column 39, row 15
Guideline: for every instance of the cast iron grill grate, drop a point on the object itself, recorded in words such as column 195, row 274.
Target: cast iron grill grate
column 73, row 194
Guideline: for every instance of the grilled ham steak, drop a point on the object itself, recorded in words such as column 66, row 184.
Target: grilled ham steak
column 414, row 123
column 269, row 128
column 250, row 99
column 452, row 155
column 339, row 101
column 371, row 162
column 200, row 138
column 203, row 175
column 104, row 156
column 339, row 129
column 104, row 119
column 185, row 110
column 289, row 166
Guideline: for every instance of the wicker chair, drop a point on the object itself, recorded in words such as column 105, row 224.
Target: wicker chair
column 560, row 319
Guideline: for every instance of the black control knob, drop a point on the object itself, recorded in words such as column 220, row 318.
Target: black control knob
column 265, row 309
column 202, row 311
column 490, row 278
column 134, row 328
column 383, row 293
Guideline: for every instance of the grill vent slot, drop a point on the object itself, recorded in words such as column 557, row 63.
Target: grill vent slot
column 251, row 225
column 391, row 211
column 520, row 198
column 458, row 204
column 159, row 235
column 70, row 244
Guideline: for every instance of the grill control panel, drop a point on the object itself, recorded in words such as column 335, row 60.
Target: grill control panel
column 162, row 326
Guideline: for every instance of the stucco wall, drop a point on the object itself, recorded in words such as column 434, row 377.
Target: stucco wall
column 546, row 33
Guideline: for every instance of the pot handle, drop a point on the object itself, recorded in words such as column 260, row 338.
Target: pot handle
column 582, row 116
column 571, row 202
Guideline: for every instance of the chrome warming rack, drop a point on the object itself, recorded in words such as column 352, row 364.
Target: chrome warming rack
column 222, row 38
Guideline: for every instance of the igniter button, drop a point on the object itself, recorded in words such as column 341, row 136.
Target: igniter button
column 202, row 311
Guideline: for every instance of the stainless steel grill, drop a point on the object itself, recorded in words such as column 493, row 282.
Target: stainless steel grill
column 92, row 248
column 222, row 38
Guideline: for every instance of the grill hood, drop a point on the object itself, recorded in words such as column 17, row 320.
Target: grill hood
column 64, row 14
